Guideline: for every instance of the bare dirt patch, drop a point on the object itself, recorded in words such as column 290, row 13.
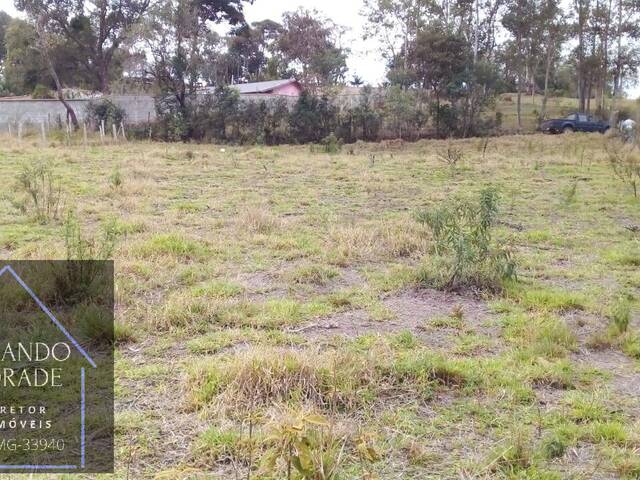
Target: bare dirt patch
column 625, row 374
column 413, row 311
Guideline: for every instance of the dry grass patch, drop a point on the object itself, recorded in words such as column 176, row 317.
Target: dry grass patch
column 373, row 242
column 344, row 380
column 258, row 220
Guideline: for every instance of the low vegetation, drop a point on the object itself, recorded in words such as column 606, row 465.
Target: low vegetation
column 354, row 312
column 464, row 256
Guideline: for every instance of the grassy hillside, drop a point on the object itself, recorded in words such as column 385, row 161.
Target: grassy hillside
column 273, row 302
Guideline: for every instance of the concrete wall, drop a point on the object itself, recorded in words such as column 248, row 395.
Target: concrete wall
column 138, row 108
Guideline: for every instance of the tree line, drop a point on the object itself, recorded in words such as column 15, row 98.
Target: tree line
column 446, row 59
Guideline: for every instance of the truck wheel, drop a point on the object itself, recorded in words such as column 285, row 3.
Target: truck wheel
column 567, row 129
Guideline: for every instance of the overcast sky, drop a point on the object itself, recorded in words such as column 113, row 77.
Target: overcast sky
column 365, row 59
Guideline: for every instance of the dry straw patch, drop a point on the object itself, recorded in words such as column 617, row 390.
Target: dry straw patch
column 258, row 220
column 346, row 380
column 375, row 242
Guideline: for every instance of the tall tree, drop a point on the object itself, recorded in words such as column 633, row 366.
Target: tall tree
column 249, row 50
column 45, row 41
column 554, row 31
column 395, row 24
column 5, row 19
column 518, row 21
column 625, row 58
column 24, row 66
column 439, row 58
column 98, row 28
column 309, row 44
column 582, row 9
column 182, row 45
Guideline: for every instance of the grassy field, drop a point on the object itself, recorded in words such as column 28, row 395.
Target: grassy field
column 273, row 310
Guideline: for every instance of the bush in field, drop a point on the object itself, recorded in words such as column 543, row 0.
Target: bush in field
column 306, row 445
column 403, row 113
column 82, row 247
column 76, row 279
column 362, row 122
column 105, row 111
column 625, row 163
column 331, row 144
column 216, row 117
column 172, row 124
column 276, row 123
column 465, row 255
column 312, row 119
column 446, row 119
column 41, row 92
column 621, row 313
column 452, row 156
column 223, row 117
column 41, row 192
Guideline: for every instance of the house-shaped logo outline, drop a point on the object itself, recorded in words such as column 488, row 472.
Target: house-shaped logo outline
column 82, row 351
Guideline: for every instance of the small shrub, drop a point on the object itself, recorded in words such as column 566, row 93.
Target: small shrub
column 95, row 326
column 331, row 144
column 83, row 267
column 42, row 191
column 306, row 443
column 217, row 445
column 116, row 179
column 554, row 446
column 625, row 163
column 81, row 247
column 621, row 314
column 124, row 333
column 570, row 193
column 312, row 275
column 41, row 92
column 105, row 111
column 465, row 253
column 452, row 156
column 551, row 300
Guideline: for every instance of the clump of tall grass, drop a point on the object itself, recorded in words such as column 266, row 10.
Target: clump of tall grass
column 345, row 380
column 85, row 254
column 258, row 220
column 621, row 313
column 40, row 192
column 360, row 242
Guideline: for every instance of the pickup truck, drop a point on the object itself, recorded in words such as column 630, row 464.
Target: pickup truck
column 576, row 122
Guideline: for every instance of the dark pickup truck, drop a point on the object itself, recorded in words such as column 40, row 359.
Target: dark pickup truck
column 576, row 122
